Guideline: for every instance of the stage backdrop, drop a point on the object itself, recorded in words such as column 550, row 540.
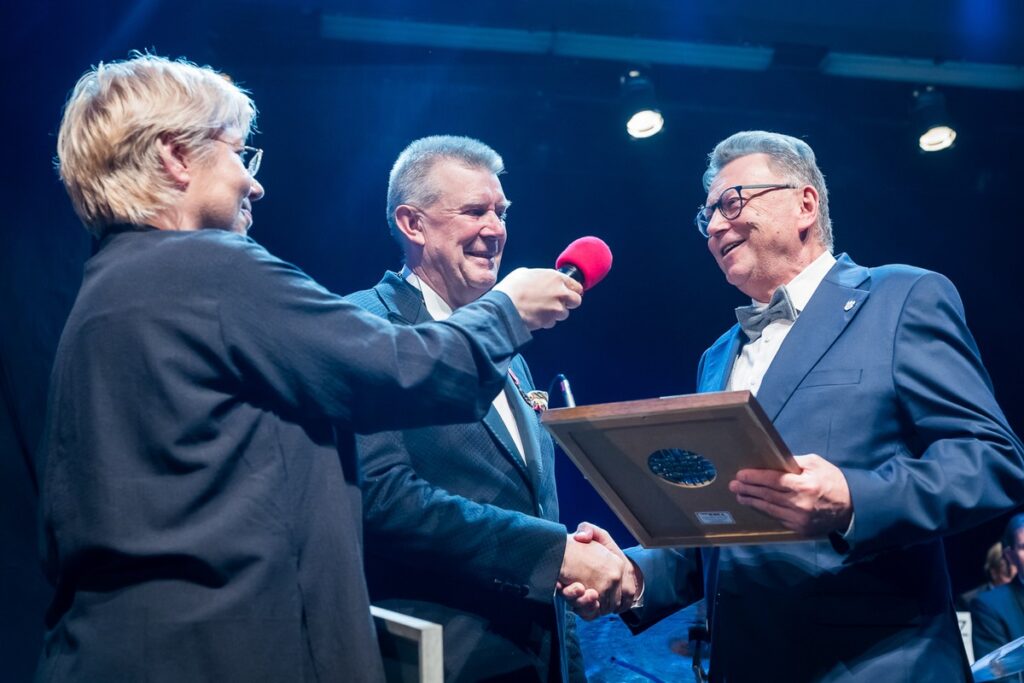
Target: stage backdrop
column 335, row 114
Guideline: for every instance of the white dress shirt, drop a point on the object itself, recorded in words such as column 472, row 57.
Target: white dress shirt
column 756, row 357
column 439, row 309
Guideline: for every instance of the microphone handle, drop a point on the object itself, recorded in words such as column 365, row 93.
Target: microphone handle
column 572, row 271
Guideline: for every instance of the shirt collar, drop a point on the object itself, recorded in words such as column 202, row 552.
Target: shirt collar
column 802, row 287
column 437, row 307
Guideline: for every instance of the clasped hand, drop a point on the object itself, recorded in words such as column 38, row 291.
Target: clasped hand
column 596, row 577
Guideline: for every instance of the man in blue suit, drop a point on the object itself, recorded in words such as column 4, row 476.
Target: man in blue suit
column 997, row 615
column 873, row 374
column 462, row 521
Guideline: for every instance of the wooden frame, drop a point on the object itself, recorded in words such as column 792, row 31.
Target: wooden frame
column 619, row 447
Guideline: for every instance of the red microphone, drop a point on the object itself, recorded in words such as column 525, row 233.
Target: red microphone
column 587, row 261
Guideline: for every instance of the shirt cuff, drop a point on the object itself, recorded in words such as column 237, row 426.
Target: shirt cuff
column 849, row 530
column 638, row 600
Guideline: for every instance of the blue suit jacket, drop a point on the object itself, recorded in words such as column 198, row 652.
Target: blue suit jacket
column 459, row 531
column 881, row 376
column 997, row 617
column 202, row 520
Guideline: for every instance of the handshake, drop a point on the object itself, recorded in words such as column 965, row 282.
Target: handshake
column 596, row 577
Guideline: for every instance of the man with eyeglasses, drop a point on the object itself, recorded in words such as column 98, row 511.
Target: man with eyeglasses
column 872, row 375
column 199, row 488
column 462, row 520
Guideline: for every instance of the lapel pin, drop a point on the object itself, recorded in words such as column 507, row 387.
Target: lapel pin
column 538, row 400
column 849, row 304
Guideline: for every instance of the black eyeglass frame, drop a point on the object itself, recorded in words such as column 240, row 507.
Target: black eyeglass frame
column 704, row 213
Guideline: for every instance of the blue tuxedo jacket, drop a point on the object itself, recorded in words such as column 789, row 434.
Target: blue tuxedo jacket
column 997, row 617
column 460, row 531
column 881, row 376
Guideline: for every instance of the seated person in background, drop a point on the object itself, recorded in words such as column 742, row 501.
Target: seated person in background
column 999, row 572
column 997, row 615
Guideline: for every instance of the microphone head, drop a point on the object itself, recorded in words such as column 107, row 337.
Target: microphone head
column 591, row 256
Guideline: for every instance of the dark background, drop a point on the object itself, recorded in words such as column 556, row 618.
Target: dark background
column 334, row 114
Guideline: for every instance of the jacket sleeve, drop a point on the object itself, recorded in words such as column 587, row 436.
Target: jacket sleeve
column 960, row 463
column 304, row 351
column 484, row 545
column 673, row 579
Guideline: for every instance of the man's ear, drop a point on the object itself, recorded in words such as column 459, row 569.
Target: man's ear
column 409, row 224
column 175, row 160
column 807, row 213
column 808, row 206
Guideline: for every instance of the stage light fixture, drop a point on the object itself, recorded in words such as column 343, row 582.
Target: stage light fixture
column 932, row 124
column 643, row 119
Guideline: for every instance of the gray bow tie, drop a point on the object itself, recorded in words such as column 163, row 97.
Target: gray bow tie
column 753, row 319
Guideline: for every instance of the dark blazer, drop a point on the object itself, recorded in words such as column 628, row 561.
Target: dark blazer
column 963, row 601
column 460, row 532
column 881, row 376
column 997, row 617
column 199, row 497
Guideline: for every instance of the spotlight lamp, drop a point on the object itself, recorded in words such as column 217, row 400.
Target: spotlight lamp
column 643, row 119
column 932, row 124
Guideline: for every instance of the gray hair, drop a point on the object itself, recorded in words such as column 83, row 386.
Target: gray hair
column 409, row 182
column 790, row 156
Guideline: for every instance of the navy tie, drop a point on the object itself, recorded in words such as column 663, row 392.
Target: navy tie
column 754, row 318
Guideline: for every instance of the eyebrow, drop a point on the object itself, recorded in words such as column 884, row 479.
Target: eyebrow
column 503, row 206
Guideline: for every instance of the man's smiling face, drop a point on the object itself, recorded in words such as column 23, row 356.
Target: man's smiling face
column 463, row 232
column 761, row 248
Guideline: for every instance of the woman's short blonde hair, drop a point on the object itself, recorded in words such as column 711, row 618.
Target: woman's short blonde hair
column 107, row 152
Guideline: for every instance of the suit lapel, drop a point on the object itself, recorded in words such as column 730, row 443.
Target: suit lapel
column 403, row 302
column 405, row 306
column 529, row 428
column 499, row 432
column 719, row 360
column 834, row 304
